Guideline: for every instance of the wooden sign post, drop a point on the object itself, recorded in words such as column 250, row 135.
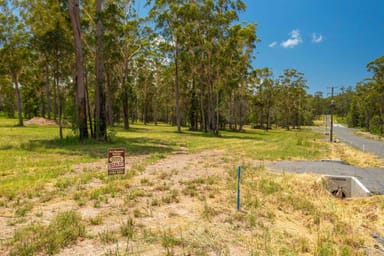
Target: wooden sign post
column 116, row 161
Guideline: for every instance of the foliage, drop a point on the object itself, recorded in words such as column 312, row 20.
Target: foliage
column 364, row 106
column 187, row 63
column 7, row 97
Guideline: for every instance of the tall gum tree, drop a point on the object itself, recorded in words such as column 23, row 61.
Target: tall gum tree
column 13, row 52
column 201, row 35
column 100, row 111
column 81, row 107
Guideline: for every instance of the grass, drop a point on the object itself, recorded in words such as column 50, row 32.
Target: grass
column 64, row 230
column 30, row 157
column 161, row 209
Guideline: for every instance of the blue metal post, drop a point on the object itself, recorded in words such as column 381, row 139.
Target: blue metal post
column 238, row 188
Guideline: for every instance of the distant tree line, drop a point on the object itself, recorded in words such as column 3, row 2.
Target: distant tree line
column 97, row 64
column 361, row 106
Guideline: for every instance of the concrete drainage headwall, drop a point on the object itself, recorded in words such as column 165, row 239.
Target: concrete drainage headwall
column 345, row 186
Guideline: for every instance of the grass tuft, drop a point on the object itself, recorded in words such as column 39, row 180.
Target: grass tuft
column 64, row 230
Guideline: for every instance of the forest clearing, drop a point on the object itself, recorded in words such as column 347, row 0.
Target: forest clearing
column 192, row 92
column 178, row 196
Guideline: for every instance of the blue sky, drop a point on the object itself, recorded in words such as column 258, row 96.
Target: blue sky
column 330, row 41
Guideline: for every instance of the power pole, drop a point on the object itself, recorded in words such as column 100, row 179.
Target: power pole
column 332, row 106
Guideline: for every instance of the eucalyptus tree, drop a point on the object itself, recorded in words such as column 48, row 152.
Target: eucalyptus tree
column 7, row 96
column 48, row 26
column 226, row 53
column 208, row 50
column 100, row 111
column 14, row 53
column 263, row 88
column 291, row 97
column 130, row 46
column 81, row 103
column 122, row 41
column 377, row 67
column 364, row 105
column 168, row 17
column 318, row 104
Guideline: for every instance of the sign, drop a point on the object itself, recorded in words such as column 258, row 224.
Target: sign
column 116, row 161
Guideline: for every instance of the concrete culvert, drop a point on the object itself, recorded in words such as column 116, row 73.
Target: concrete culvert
column 339, row 193
column 345, row 186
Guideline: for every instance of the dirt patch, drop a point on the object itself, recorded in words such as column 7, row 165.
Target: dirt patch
column 185, row 204
column 40, row 121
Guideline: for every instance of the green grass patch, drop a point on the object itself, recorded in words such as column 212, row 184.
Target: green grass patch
column 32, row 156
column 64, row 230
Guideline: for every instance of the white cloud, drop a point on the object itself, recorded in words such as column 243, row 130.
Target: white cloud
column 272, row 45
column 294, row 40
column 317, row 38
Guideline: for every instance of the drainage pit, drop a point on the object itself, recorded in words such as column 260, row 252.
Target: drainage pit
column 345, row 186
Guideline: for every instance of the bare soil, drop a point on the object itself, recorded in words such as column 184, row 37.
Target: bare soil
column 40, row 121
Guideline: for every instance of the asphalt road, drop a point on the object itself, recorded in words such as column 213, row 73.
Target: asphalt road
column 346, row 135
column 372, row 178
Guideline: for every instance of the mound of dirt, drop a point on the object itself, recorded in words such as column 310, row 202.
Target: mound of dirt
column 40, row 121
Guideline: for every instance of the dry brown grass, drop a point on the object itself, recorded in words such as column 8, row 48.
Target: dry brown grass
column 185, row 204
column 354, row 156
column 369, row 135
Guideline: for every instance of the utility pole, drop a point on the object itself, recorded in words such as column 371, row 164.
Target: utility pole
column 332, row 106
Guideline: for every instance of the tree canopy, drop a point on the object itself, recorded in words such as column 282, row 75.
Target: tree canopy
column 188, row 63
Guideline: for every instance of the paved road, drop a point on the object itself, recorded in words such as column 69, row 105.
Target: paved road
column 372, row 178
column 346, row 135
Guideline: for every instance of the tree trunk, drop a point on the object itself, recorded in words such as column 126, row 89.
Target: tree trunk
column 125, row 107
column 178, row 118
column 109, row 100
column 145, row 103
column 210, row 110
column 100, row 116
column 268, row 117
column 241, row 115
column 56, row 90
column 154, row 100
column 47, row 89
column 19, row 101
column 54, row 97
column 217, row 114
column 230, row 118
column 125, row 96
column 74, row 13
column 42, row 108
column 88, row 105
column 202, row 109
column 61, row 96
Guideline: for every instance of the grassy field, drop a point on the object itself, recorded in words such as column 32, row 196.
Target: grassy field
column 178, row 196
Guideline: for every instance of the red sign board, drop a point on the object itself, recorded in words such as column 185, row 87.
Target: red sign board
column 116, row 161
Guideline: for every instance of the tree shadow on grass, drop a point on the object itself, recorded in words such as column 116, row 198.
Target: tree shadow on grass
column 229, row 134
column 96, row 149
